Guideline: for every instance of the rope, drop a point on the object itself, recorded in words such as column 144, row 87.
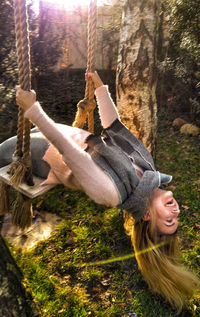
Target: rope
column 87, row 105
column 22, row 158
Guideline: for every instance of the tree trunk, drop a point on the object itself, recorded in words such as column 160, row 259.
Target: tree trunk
column 15, row 301
column 136, row 71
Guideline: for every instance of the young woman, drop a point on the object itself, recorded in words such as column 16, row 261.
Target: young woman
column 114, row 169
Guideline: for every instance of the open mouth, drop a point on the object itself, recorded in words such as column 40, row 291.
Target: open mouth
column 170, row 203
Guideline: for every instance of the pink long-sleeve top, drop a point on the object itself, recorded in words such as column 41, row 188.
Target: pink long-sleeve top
column 70, row 164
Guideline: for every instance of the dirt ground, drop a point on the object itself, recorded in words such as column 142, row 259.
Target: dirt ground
column 43, row 224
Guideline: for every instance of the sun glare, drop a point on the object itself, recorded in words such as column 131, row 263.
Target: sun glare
column 67, row 4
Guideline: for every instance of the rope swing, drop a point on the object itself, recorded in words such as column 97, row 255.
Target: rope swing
column 19, row 173
column 20, row 170
column 85, row 107
column 21, row 167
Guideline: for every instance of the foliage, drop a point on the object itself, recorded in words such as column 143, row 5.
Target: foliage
column 47, row 34
column 185, row 18
column 8, row 112
column 45, row 39
column 45, row 49
column 182, row 64
column 7, row 40
column 185, row 38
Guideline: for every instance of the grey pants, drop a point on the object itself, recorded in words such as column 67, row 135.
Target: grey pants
column 39, row 145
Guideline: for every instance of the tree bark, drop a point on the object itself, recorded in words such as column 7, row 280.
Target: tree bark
column 136, row 71
column 15, row 300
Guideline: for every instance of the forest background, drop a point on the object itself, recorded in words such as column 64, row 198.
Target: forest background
column 90, row 233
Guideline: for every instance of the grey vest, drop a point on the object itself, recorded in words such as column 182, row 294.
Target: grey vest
column 114, row 152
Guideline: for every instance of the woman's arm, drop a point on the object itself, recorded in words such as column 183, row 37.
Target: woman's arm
column 107, row 109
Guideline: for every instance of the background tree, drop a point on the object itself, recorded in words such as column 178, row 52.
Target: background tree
column 48, row 32
column 136, row 71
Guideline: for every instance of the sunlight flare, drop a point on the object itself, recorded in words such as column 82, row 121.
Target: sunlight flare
column 121, row 258
column 68, row 4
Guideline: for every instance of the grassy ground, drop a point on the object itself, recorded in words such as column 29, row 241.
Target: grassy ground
column 68, row 273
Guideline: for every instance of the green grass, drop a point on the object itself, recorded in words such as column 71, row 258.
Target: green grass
column 57, row 271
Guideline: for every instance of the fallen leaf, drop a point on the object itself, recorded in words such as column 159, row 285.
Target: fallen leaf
column 196, row 214
column 70, row 241
column 122, row 304
column 106, row 282
column 197, row 225
column 129, row 294
column 97, row 219
column 96, row 290
column 197, row 182
column 185, row 207
column 39, row 203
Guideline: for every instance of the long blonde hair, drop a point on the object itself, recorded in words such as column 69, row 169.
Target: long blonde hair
column 160, row 264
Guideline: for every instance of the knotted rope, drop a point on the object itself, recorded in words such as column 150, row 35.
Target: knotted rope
column 87, row 105
column 21, row 167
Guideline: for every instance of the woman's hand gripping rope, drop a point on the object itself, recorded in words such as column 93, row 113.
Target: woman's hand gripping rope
column 95, row 78
column 25, row 99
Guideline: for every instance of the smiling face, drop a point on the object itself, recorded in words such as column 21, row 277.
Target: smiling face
column 165, row 209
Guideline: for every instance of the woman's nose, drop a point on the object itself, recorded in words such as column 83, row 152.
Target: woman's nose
column 176, row 211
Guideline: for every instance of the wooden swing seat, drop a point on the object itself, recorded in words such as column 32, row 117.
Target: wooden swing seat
column 29, row 191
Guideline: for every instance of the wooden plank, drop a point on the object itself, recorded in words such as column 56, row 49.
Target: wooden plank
column 29, row 191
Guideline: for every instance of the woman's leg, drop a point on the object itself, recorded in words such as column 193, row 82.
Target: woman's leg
column 92, row 179
column 39, row 145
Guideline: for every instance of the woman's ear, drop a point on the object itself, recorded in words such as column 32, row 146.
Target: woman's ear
column 147, row 216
